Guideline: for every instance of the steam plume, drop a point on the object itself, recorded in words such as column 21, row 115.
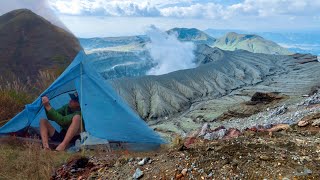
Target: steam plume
column 168, row 52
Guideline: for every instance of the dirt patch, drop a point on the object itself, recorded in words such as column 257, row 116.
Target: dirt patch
column 292, row 154
column 264, row 98
column 259, row 102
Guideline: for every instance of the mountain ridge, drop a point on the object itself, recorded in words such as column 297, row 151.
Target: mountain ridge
column 250, row 42
column 32, row 43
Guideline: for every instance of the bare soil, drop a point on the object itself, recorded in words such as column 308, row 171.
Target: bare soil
column 291, row 154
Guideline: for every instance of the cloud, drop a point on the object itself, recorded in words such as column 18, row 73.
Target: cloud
column 243, row 14
column 209, row 10
column 261, row 8
column 265, row 8
column 40, row 7
column 168, row 52
column 187, row 8
column 101, row 7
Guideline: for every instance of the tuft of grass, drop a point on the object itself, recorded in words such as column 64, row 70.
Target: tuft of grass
column 14, row 95
column 44, row 80
column 12, row 102
column 28, row 161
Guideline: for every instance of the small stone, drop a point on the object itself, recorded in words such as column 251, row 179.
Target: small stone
column 73, row 170
column 302, row 123
column 184, row 172
column 204, row 129
column 264, row 157
column 138, row 174
column 193, row 165
column 316, row 122
column 210, row 175
column 210, row 149
column 279, row 127
column 295, row 158
column 307, row 171
column 143, row 161
column 219, row 134
column 305, row 158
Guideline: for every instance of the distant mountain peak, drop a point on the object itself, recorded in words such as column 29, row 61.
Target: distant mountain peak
column 192, row 34
column 250, row 42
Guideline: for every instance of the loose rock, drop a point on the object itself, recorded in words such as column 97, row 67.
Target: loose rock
column 138, row 174
column 303, row 123
column 184, row 172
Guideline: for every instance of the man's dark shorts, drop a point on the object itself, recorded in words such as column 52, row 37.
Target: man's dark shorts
column 59, row 136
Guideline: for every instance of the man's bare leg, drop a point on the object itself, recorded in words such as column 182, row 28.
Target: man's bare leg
column 46, row 131
column 74, row 129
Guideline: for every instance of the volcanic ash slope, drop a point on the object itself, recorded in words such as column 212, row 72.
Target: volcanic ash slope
column 159, row 96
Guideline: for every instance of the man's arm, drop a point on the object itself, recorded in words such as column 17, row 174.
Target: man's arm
column 56, row 115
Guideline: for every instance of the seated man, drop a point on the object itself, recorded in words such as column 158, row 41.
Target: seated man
column 68, row 117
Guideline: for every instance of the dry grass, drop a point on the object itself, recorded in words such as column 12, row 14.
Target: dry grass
column 25, row 160
column 12, row 102
column 28, row 161
column 14, row 95
column 44, row 80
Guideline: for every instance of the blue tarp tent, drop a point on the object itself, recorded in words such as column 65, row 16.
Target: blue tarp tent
column 105, row 114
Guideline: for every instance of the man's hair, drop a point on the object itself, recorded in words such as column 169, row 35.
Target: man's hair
column 74, row 96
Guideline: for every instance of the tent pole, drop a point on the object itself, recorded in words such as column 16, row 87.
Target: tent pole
column 81, row 102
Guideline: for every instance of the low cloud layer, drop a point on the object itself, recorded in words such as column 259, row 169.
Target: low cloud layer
column 187, row 8
column 168, row 52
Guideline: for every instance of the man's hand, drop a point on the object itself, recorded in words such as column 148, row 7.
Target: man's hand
column 46, row 103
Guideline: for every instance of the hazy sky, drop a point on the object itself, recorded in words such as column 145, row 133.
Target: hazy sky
column 88, row 18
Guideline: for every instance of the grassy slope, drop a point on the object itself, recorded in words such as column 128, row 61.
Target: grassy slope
column 27, row 161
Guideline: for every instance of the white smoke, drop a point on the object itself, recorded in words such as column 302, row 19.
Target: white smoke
column 40, row 7
column 168, row 52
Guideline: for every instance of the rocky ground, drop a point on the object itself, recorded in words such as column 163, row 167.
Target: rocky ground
column 267, row 151
column 289, row 154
